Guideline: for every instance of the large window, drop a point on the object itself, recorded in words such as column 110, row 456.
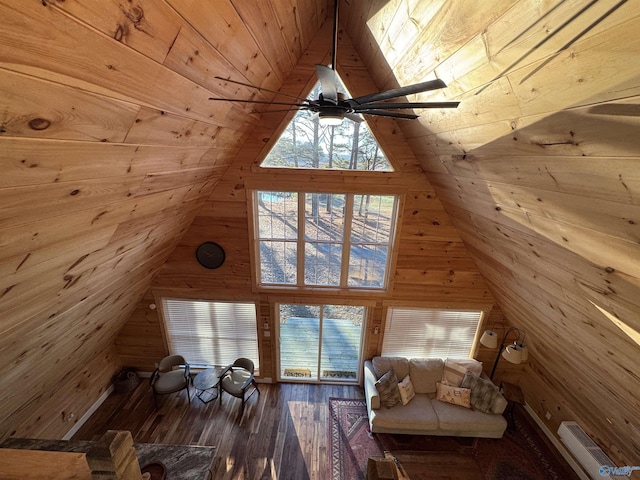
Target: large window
column 426, row 333
column 306, row 143
column 211, row 333
column 339, row 240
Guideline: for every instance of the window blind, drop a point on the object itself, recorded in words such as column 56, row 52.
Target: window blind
column 420, row 333
column 211, row 333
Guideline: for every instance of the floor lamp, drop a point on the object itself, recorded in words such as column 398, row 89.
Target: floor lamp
column 516, row 353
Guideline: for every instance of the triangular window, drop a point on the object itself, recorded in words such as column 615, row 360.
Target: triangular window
column 307, row 144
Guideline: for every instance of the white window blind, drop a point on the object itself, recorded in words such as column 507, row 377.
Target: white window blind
column 211, row 333
column 420, row 333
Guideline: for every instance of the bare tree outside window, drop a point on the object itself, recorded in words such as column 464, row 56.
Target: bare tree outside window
column 307, row 144
column 303, row 242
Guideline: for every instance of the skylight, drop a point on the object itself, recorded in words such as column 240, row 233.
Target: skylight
column 308, row 144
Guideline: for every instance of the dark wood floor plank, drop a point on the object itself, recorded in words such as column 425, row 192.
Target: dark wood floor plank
column 282, row 434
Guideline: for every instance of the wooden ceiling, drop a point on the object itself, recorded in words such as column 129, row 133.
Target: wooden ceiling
column 109, row 147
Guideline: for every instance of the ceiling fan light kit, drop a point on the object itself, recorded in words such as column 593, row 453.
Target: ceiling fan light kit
column 331, row 107
column 329, row 118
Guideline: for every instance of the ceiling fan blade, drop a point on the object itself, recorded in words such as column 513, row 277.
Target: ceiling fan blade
column 384, row 113
column 353, row 117
column 258, row 102
column 328, row 83
column 398, row 92
column 400, row 105
column 284, row 110
column 258, row 88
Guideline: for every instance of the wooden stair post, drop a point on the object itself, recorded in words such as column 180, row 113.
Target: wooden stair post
column 114, row 457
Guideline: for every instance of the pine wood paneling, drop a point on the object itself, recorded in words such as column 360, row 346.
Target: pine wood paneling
column 110, row 149
column 425, row 233
column 106, row 158
column 42, row 109
column 537, row 170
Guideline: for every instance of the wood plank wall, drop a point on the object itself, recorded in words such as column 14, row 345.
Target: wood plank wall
column 433, row 267
column 538, row 170
column 108, row 147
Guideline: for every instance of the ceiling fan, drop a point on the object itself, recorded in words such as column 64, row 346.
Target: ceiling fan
column 331, row 106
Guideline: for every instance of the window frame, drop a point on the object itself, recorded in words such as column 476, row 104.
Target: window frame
column 322, row 303
column 412, row 338
column 347, row 243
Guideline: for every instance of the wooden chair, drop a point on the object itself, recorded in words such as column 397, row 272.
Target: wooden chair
column 237, row 380
column 167, row 379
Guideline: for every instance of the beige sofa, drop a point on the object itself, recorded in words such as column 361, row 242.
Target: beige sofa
column 424, row 414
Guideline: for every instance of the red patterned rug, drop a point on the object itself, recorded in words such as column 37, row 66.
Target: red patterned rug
column 520, row 454
column 350, row 438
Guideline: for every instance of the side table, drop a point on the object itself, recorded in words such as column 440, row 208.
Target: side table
column 207, row 384
column 514, row 395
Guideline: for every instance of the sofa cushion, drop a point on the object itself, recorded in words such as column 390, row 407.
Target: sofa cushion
column 406, row 390
column 387, row 387
column 425, row 373
column 455, row 418
column 483, row 392
column 418, row 415
column 382, row 365
column 455, row 395
column 455, row 368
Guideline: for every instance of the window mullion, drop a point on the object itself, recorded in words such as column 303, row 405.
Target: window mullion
column 302, row 214
column 346, row 241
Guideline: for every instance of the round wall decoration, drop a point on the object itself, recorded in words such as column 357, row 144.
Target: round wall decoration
column 210, row 255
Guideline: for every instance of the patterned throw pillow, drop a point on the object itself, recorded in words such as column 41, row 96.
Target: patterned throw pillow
column 455, row 395
column 483, row 392
column 406, row 390
column 387, row 387
column 455, row 368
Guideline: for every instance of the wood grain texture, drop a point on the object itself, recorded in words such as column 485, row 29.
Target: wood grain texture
column 283, row 433
column 523, row 201
column 39, row 465
column 532, row 172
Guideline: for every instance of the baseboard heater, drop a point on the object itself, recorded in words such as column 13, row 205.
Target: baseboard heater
column 586, row 451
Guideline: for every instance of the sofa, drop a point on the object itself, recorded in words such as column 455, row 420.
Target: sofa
column 424, row 413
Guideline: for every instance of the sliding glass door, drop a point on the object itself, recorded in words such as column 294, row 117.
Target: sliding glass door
column 320, row 342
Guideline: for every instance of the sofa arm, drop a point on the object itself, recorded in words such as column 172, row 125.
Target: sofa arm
column 370, row 391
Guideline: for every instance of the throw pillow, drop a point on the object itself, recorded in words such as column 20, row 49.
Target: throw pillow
column 387, row 387
column 454, row 395
column 406, row 390
column 455, row 368
column 483, row 392
column 382, row 365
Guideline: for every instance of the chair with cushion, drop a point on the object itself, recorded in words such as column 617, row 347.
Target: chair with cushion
column 172, row 375
column 237, row 380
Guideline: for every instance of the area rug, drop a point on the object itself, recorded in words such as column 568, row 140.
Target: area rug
column 520, row 454
column 351, row 441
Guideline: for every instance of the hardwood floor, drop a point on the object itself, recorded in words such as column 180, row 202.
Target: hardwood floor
column 283, row 433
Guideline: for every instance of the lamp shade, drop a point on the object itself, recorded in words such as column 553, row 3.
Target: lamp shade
column 513, row 354
column 489, row 339
column 524, row 350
